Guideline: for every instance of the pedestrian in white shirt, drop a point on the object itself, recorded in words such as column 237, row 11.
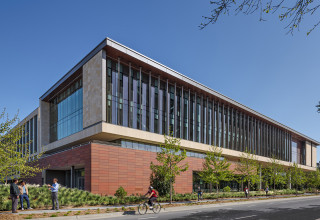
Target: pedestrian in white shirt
column 54, row 194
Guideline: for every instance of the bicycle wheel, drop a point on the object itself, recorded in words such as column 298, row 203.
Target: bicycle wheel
column 156, row 208
column 142, row 209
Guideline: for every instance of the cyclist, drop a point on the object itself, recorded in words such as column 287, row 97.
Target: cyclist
column 152, row 196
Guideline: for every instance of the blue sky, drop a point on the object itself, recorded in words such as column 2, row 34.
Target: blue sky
column 252, row 62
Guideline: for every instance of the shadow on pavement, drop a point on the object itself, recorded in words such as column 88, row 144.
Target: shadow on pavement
column 129, row 213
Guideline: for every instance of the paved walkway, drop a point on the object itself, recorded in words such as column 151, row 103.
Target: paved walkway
column 41, row 211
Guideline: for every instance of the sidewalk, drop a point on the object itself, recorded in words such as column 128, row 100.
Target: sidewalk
column 42, row 211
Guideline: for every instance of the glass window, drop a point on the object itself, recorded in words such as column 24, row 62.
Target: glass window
column 27, row 136
column 185, row 114
column 209, row 124
column 154, row 114
column 31, row 136
column 109, row 91
column 135, row 99
column 162, row 108
column 192, row 117
column 66, row 112
column 198, row 119
column 124, row 95
column 178, row 112
column 35, row 140
column 145, row 102
column 294, row 152
column 171, row 108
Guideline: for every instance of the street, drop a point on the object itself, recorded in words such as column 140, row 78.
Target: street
column 294, row 208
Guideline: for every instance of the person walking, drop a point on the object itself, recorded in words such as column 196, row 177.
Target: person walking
column 246, row 191
column 54, row 194
column 24, row 194
column 266, row 190
column 199, row 193
column 14, row 194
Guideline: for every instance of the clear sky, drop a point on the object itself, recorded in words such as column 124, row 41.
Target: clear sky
column 252, row 62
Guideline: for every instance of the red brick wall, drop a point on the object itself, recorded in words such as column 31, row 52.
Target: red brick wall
column 108, row 167
column 80, row 156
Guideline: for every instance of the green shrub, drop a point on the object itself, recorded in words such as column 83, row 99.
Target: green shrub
column 226, row 189
column 120, row 193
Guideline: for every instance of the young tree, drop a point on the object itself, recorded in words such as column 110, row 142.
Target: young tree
column 215, row 168
column 158, row 181
column 15, row 159
column 313, row 179
column 169, row 160
column 293, row 11
column 275, row 172
column 247, row 168
column 297, row 176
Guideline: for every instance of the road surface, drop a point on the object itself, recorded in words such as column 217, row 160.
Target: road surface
column 303, row 208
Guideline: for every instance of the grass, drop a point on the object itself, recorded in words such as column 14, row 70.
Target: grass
column 54, row 215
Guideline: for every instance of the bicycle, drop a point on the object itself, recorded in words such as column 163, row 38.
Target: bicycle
column 143, row 207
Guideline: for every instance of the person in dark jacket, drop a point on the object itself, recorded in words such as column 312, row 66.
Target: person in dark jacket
column 267, row 190
column 199, row 193
column 14, row 194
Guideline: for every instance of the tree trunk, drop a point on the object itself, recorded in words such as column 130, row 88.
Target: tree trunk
column 217, row 190
column 170, row 192
column 241, row 185
column 274, row 187
column 290, row 182
column 248, row 189
column 210, row 187
column 260, row 183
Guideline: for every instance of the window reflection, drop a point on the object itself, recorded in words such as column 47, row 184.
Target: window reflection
column 66, row 112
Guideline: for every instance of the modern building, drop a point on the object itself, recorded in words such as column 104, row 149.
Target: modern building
column 101, row 124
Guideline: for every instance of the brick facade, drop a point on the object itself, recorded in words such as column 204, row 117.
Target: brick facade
column 108, row 167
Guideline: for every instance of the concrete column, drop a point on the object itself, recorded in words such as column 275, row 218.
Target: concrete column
column 72, row 179
column 308, row 153
column 44, row 177
column 94, row 90
column 314, row 156
column 44, row 129
column 213, row 125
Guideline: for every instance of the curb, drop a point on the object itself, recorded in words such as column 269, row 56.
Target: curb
column 173, row 209
column 96, row 216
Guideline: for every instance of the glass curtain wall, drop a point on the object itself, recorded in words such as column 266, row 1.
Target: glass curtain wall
column 66, row 112
column 142, row 100
column 30, row 136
